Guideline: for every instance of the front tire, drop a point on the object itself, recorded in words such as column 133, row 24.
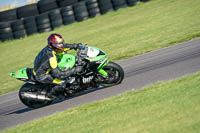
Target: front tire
column 115, row 75
column 33, row 103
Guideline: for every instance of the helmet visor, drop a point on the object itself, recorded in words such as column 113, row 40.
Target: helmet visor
column 58, row 44
column 58, row 47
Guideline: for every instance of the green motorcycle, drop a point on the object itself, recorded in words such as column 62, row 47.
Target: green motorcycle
column 98, row 72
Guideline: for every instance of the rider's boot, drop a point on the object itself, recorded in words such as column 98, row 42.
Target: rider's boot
column 59, row 88
column 54, row 92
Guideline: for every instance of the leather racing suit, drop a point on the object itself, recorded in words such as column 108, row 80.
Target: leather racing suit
column 45, row 66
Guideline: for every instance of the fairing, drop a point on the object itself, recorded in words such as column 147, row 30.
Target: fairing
column 20, row 74
column 66, row 61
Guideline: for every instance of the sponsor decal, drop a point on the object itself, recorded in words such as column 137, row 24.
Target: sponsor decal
column 88, row 79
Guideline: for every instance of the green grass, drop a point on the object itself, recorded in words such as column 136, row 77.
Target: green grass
column 122, row 34
column 166, row 107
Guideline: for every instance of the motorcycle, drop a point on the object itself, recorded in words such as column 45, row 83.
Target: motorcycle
column 98, row 72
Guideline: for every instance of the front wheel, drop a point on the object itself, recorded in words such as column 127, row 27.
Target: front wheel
column 115, row 75
column 31, row 89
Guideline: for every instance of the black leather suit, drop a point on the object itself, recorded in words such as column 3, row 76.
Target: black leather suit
column 45, row 71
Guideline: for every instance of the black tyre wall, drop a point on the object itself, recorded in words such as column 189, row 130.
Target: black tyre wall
column 18, row 29
column 67, row 8
column 93, row 8
column 5, row 31
column 94, row 12
column 47, row 5
column 20, row 34
column 144, row 0
column 132, row 2
column 80, row 11
column 43, row 23
column 105, row 6
column 27, row 11
column 55, row 18
column 119, row 4
column 17, row 25
column 69, row 20
column 8, row 15
column 67, row 15
column 42, row 19
column 30, row 25
column 63, row 3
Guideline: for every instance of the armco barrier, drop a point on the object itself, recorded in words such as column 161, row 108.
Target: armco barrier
column 47, row 15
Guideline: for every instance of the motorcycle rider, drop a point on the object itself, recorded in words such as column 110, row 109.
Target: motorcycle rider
column 46, row 64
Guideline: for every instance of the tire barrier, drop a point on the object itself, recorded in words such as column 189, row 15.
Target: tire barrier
column 5, row 32
column 63, row 3
column 80, row 11
column 55, row 18
column 50, row 14
column 67, row 15
column 43, row 23
column 93, row 8
column 47, row 5
column 144, row 0
column 27, row 11
column 18, row 29
column 8, row 15
column 132, row 2
column 119, row 4
column 105, row 6
column 30, row 25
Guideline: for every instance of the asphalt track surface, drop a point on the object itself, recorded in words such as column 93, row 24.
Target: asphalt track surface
column 164, row 64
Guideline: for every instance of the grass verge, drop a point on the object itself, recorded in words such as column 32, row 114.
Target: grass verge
column 166, row 107
column 128, row 32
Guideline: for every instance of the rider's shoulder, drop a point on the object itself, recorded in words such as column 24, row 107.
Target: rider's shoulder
column 48, row 51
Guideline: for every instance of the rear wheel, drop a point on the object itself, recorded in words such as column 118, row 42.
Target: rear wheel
column 31, row 102
column 115, row 75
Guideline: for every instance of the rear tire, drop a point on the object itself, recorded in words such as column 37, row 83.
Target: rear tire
column 33, row 103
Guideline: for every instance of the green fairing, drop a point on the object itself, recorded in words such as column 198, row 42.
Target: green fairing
column 66, row 61
column 102, row 59
column 20, row 74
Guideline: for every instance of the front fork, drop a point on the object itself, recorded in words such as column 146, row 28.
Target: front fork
column 100, row 69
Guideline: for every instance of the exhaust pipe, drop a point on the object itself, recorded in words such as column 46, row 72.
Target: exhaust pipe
column 35, row 96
